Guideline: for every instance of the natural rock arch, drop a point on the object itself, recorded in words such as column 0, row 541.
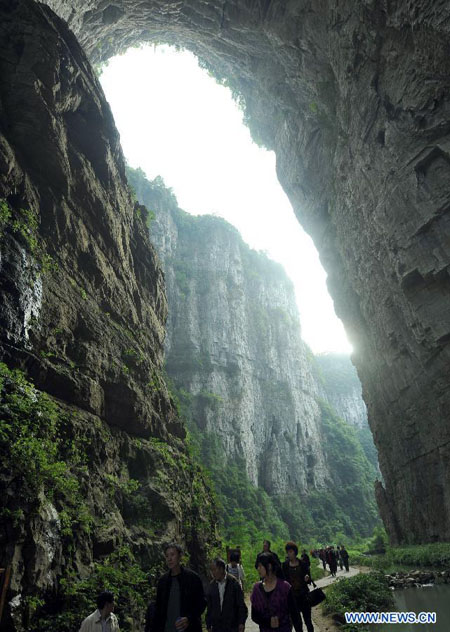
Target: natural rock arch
column 354, row 99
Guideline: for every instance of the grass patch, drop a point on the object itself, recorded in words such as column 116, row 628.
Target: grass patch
column 434, row 555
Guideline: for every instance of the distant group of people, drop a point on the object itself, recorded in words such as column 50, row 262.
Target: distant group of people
column 333, row 557
column 278, row 601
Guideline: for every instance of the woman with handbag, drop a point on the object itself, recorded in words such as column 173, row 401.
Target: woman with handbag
column 272, row 599
column 296, row 572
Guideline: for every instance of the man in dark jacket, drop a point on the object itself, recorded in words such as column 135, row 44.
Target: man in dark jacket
column 180, row 600
column 226, row 610
column 344, row 557
column 266, row 549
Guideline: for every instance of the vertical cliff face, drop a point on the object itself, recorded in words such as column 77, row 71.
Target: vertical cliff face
column 342, row 388
column 235, row 352
column 354, row 99
column 233, row 341
column 93, row 461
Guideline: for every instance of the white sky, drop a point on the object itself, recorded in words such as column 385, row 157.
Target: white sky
column 176, row 121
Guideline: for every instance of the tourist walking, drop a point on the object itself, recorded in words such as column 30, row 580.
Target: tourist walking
column 323, row 557
column 272, row 599
column 103, row 619
column 235, row 568
column 266, row 549
column 345, row 556
column 332, row 561
column 339, row 558
column 296, row 572
column 180, row 600
column 226, row 609
column 306, row 560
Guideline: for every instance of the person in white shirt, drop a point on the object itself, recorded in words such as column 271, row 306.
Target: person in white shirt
column 226, row 609
column 103, row 619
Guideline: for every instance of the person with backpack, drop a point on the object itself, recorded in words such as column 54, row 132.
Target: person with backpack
column 235, row 569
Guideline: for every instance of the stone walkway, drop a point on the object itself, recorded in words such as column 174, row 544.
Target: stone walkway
column 321, row 623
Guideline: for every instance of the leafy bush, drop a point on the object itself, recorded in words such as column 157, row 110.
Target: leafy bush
column 118, row 573
column 363, row 593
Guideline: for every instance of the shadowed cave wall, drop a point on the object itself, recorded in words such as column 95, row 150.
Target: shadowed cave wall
column 354, row 99
column 94, row 460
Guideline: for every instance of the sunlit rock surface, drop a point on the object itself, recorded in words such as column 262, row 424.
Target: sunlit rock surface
column 82, row 312
column 244, row 376
column 233, row 341
column 354, row 99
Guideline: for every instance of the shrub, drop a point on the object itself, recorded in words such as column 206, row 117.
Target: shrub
column 363, row 593
column 118, row 573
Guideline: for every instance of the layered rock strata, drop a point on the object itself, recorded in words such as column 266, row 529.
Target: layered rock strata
column 235, row 354
column 233, row 341
column 354, row 99
column 82, row 312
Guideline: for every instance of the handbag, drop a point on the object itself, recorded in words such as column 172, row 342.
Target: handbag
column 316, row 596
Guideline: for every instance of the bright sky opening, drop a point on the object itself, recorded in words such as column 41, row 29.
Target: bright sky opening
column 177, row 122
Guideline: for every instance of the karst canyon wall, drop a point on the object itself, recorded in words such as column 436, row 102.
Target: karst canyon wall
column 248, row 381
column 93, row 456
column 354, row 99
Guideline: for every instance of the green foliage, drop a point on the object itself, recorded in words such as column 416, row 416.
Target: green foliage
column 365, row 438
column 366, row 592
column 434, row 554
column 118, row 573
column 379, row 541
column 41, row 461
column 353, row 475
column 31, row 446
column 24, row 223
column 5, row 214
column 345, row 509
column 337, row 372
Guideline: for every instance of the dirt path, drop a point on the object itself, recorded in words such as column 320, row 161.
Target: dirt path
column 321, row 623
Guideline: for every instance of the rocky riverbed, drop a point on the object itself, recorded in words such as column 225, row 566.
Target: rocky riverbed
column 417, row 578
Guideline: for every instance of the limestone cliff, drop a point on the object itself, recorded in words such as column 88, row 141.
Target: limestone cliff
column 354, row 99
column 234, row 350
column 93, row 456
column 342, row 388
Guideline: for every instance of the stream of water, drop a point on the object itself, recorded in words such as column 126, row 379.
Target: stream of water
column 425, row 599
